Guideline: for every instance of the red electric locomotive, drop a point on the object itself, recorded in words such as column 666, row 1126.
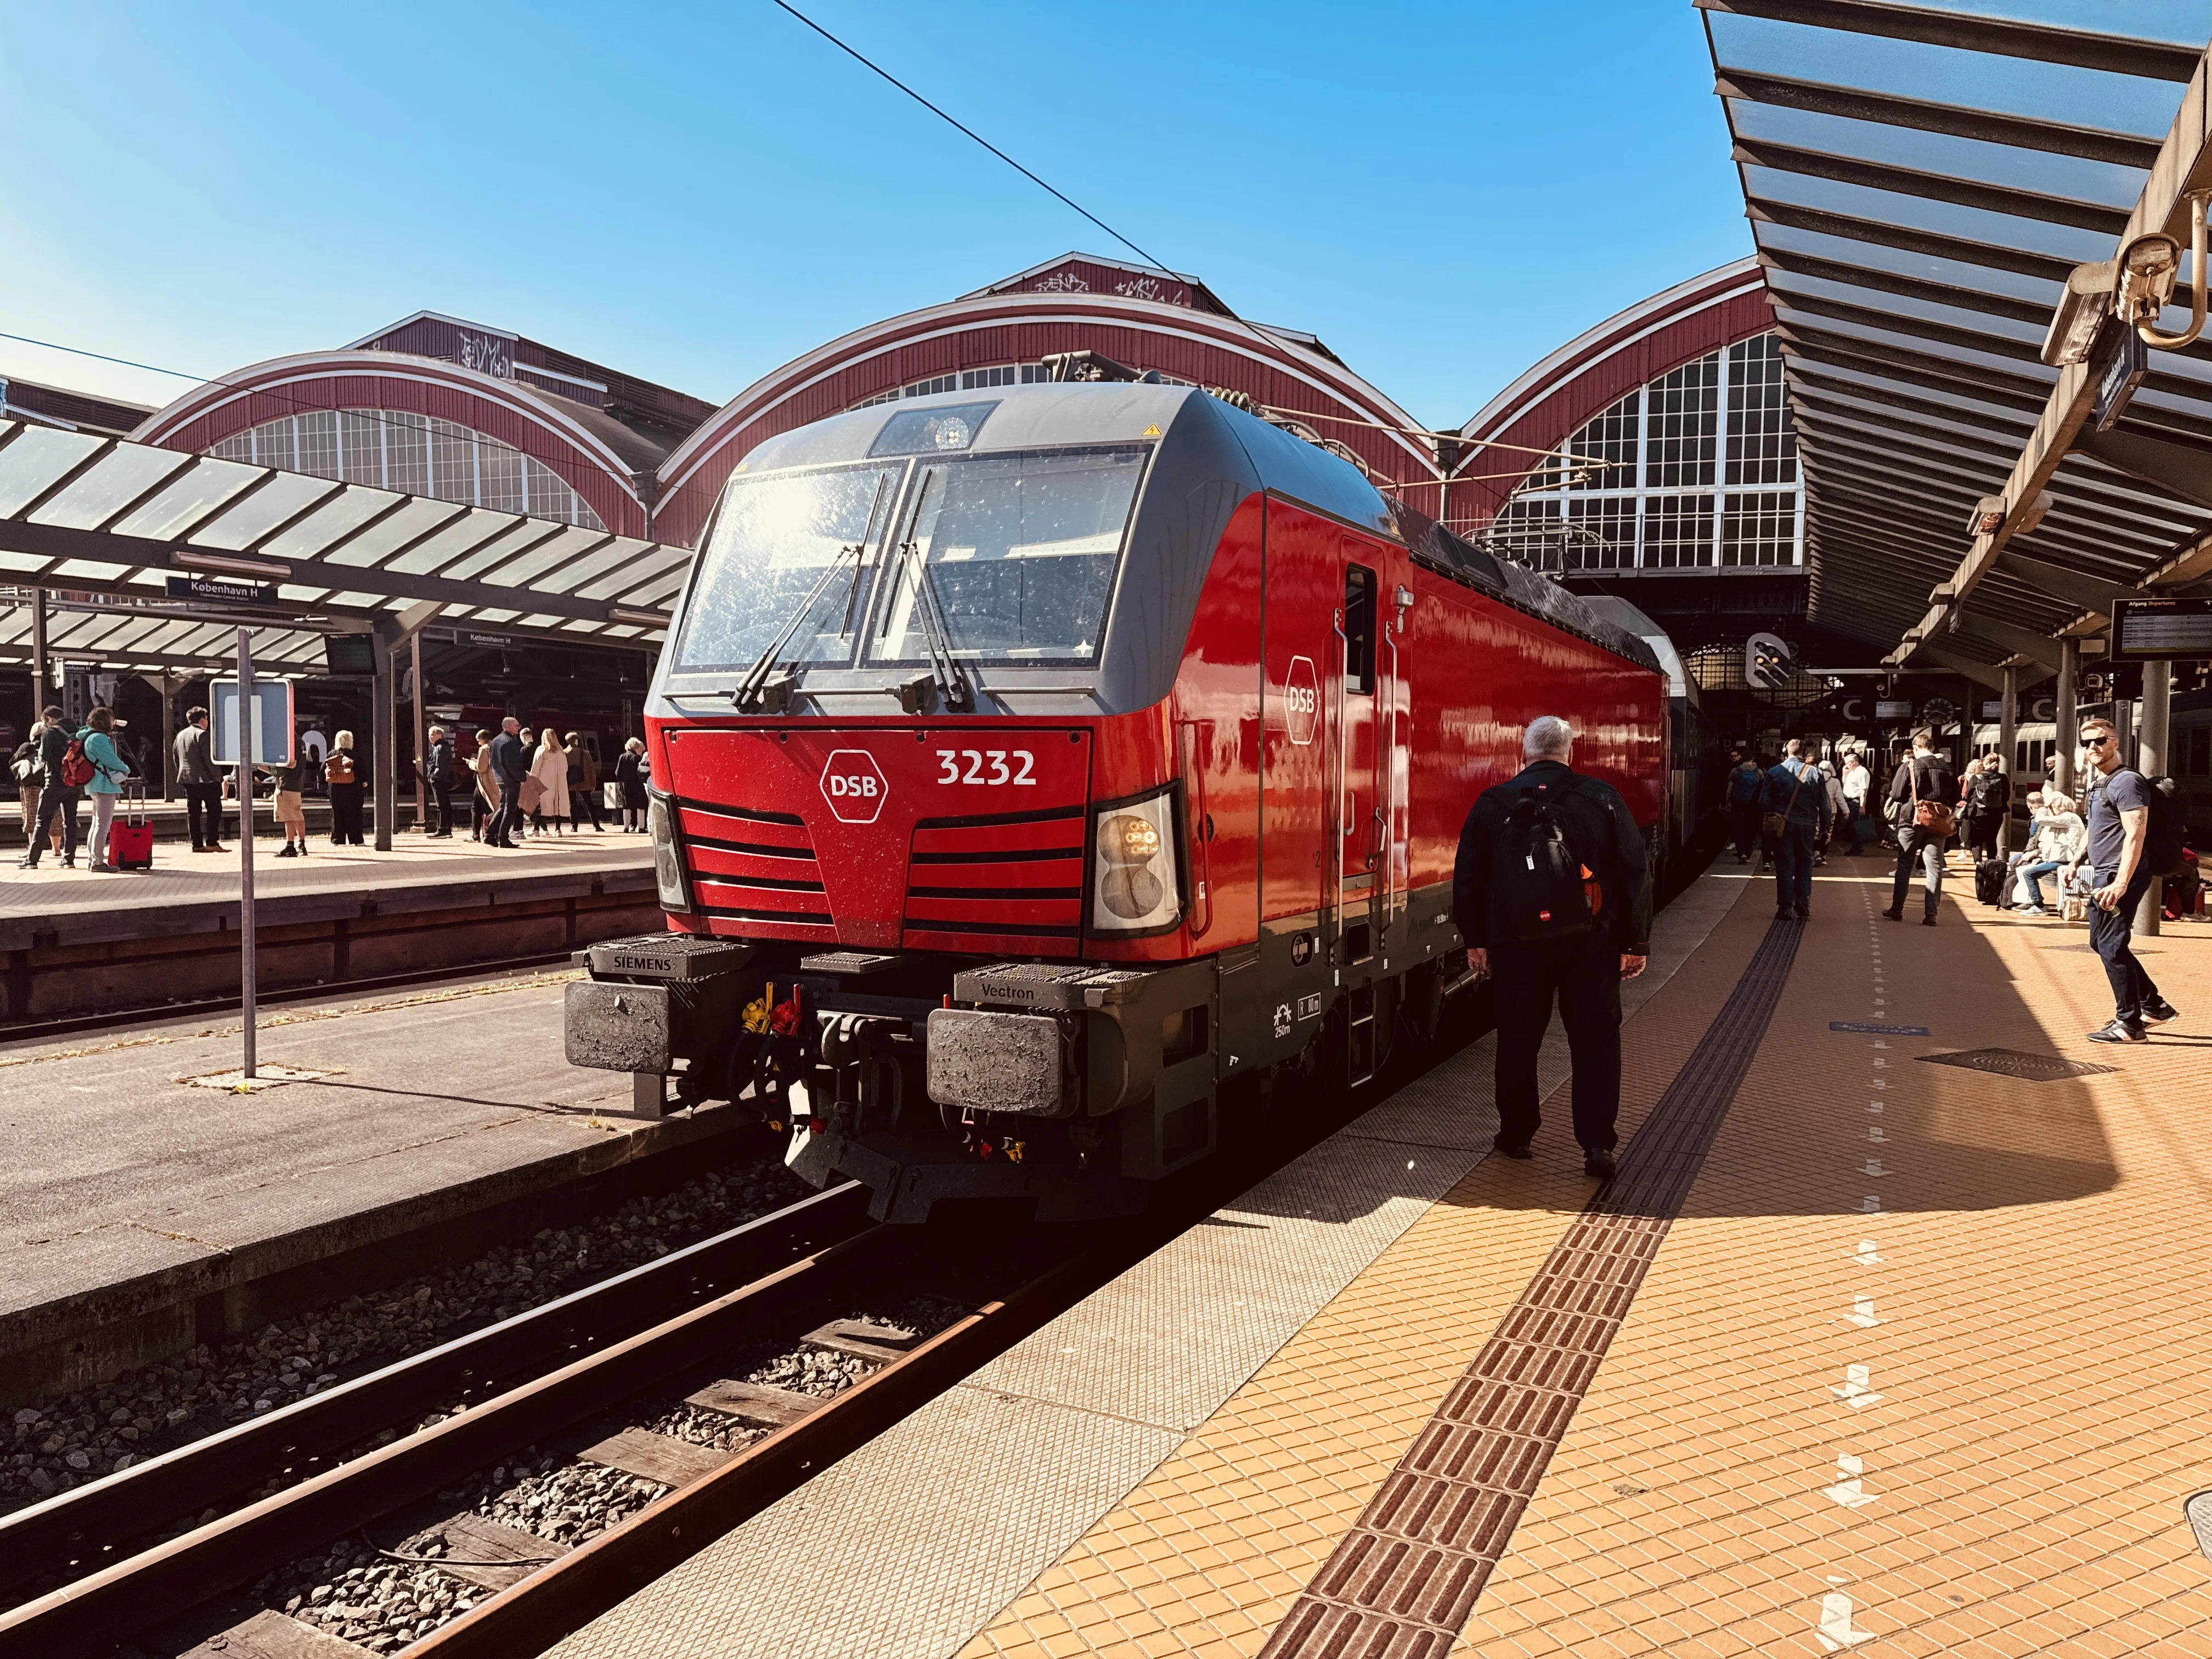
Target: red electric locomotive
column 1031, row 772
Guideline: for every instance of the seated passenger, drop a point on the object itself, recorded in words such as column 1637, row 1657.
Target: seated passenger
column 2056, row 839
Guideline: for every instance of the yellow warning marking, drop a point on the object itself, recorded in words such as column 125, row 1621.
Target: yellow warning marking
column 1150, row 432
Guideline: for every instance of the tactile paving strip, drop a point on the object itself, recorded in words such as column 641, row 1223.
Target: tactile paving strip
column 1404, row 1580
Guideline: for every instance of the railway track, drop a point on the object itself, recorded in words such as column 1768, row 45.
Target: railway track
column 658, row 1331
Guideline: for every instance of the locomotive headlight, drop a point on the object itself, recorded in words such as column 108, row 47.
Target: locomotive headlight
column 1135, row 885
column 668, row 873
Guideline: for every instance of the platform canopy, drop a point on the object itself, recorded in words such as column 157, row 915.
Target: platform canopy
column 102, row 525
column 1921, row 182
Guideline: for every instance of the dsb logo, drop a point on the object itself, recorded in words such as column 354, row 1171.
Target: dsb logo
column 855, row 786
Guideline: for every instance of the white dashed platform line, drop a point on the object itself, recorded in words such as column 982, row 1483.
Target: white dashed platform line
column 1836, row 1631
column 1862, row 1313
column 1858, row 1389
column 1867, row 1255
column 1848, row 1489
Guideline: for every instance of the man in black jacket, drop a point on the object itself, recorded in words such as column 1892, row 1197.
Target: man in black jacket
column 438, row 773
column 202, row 784
column 510, row 765
column 1579, row 959
column 55, row 797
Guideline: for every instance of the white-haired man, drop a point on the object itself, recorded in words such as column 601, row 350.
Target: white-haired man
column 1552, row 894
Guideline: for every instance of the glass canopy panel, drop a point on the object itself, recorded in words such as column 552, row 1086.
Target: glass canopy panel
column 472, row 530
column 654, row 570
column 285, row 495
column 518, row 572
column 326, row 523
column 94, row 570
column 1944, row 75
column 188, row 499
column 1951, row 219
column 116, row 480
column 1982, row 322
column 358, row 601
column 32, row 465
column 28, row 561
column 1783, row 240
column 527, row 533
column 624, row 556
column 2007, row 166
column 418, row 518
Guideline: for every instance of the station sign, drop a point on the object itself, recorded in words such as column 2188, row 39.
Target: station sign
column 1886, row 709
column 221, row 591
column 2121, row 374
column 2160, row 630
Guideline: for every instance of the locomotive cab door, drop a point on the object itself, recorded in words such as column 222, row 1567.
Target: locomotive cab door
column 1360, row 830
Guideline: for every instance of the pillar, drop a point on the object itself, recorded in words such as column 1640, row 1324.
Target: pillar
column 2006, row 749
column 41, row 695
column 2066, row 716
column 168, row 738
column 2153, row 759
column 416, row 707
column 385, row 737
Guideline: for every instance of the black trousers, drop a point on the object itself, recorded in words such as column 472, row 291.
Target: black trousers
column 1745, row 815
column 442, row 804
column 54, row 801
column 1582, row 974
column 345, row 813
column 508, row 819
column 2132, row 990
column 1982, row 835
column 203, row 813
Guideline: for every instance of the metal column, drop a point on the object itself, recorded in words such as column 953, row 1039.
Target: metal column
column 168, row 738
column 247, row 969
column 2154, row 758
column 2007, row 751
column 2066, row 716
column 422, row 729
column 383, row 734
column 40, row 693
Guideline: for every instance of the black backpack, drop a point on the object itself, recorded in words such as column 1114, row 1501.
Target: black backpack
column 1537, row 882
column 2166, row 836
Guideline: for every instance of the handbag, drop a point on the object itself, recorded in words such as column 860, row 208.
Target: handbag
column 1776, row 824
column 1938, row 817
column 532, row 795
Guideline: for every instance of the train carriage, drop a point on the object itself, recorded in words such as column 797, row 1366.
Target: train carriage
column 1032, row 773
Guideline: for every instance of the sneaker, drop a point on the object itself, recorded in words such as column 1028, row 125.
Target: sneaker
column 1504, row 1151
column 1598, row 1162
column 288, row 852
column 1783, row 913
column 2158, row 1010
column 1927, row 921
column 2030, row 910
column 1804, row 914
column 27, row 863
column 2120, row 1032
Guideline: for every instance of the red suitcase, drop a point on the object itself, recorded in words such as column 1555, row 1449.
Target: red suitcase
column 130, row 834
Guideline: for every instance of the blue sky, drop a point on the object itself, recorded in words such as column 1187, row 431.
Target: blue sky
column 698, row 192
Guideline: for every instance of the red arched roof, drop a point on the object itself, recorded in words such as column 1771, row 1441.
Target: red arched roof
column 1596, row 368
column 595, row 457
column 992, row 328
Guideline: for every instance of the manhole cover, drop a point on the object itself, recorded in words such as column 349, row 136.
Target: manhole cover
column 2198, row 1508
column 2011, row 1062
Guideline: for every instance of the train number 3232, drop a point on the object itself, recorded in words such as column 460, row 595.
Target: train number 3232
column 985, row 766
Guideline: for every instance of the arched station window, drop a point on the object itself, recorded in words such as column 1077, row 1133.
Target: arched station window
column 395, row 449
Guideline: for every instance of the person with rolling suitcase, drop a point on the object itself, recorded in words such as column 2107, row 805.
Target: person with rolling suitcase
column 130, row 836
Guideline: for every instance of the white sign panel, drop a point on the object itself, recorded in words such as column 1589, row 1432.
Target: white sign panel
column 272, row 722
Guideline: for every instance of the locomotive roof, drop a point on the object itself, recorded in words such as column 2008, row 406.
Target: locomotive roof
column 1202, row 440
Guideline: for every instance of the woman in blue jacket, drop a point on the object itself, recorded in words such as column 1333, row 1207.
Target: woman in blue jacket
column 108, row 771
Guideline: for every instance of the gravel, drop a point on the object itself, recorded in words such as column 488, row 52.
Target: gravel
column 65, row 1440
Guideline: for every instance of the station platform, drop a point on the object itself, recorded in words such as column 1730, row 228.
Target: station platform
column 73, row 941
column 141, row 1213
column 1888, row 1338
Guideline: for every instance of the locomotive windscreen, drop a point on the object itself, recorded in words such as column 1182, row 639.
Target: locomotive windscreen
column 1014, row 552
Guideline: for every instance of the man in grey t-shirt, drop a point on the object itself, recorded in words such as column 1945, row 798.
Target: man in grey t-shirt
column 2119, row 820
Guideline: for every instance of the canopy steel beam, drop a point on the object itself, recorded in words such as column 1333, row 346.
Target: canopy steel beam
column 2153, row 60
column 2184, row 168
column 2065, row 586
column 2040, row 648
column 2182, row 469
column 1845, row 274
column 1852, row 103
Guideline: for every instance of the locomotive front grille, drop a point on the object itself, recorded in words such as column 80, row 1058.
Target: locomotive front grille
column 1016, row 877
column 754, row 867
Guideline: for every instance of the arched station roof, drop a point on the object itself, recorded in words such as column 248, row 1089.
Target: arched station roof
column 1591, row 371
column 1145, row 320
column 598, row 457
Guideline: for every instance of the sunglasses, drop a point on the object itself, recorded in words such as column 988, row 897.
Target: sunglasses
column 2095, row 743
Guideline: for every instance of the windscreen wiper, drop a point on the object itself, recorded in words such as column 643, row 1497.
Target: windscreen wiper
column 764, row 691
column 952, row 684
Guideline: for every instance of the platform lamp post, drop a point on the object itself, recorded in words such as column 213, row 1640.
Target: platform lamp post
column 245, row 962
column 2008, row 719
column 2153, row 758
column 2066, row 714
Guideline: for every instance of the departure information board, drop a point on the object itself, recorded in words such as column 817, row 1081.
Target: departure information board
column 2154, row 630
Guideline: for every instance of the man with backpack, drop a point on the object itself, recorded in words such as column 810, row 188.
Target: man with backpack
column 63, row 765
column 1795, row 818
column 1552, row 893
column 2135, row 834
column 1922, row 792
